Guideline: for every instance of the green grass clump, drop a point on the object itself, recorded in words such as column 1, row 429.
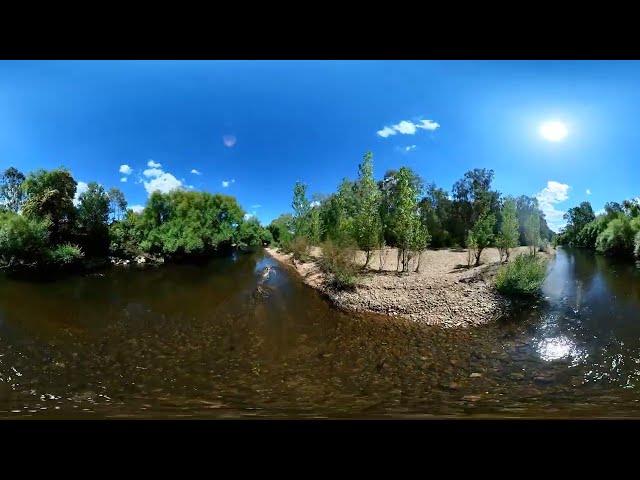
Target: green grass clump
column 522, row 277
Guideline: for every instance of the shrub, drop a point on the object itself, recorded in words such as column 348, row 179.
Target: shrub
column 339, row 261
column 299, row 247
column 544, row 245
column 22, row 240
column 65, row 255
column 617, row 238
column 522, row 277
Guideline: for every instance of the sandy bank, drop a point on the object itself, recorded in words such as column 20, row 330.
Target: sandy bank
column 444, row 293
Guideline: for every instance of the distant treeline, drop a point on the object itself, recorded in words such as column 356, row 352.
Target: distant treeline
column 41, row 226
column 402, row 210
column 616, row 232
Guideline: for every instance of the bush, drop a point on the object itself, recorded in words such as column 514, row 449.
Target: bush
column 544, row 245
column 299, row 247
column 22, row 240
column 522, row 277
column 617, row 238
column 66, row 255
column 339, row 261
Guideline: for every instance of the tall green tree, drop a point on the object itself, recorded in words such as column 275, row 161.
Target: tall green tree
column 50, row 195
column 117, row 204
column 93, row 212
column 406, row 222
column 367, row 221
column 532, row 233
column 435, row 210
column 11, row 192
column 481, row 235
column 509, row 233
column 301, row 207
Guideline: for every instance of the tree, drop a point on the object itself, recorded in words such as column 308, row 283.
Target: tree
column 388, row 208
column 117, row 204
column 22, row 239
column 93, row 211
column 532, row 233
column 406, row 215
column 481, row 235
column 11, row 192
column 301, row 207
column 435, row 211
column 617, row 239
column 509, row 233
column 50, row 195
column 249, row 233
column 420, row 241
column 578, row 217
column 281, row 229
column 367, row 222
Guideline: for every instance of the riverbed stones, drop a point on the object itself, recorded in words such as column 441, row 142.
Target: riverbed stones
column 475, row 375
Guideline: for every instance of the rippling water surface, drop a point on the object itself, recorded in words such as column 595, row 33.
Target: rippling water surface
column 221, row 341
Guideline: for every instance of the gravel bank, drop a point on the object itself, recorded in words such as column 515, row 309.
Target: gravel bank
column 444, row 293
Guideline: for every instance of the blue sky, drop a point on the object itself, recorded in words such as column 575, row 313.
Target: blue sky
column 252, row 128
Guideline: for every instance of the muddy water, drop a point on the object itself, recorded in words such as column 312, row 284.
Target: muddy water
column 223, row 341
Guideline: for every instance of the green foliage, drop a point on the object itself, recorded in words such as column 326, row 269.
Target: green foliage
column 509, row 233
column 367, row 224
column 299, row 247
column 522, row 277
column 339, row 261
column 249, row 233
column 281, row 229
column 182, row 223
column 66, row 255
column 50, row 195
column 617, row 238
column 435, row 212
column 481, row 235
column 406, row 226
column 125, row 236
column 22, row 240
column 532, row 232
column 117, row 204
column 92, row 214
column 11, row 191
column 587, row 237
column 636, row 248
column 301, row 207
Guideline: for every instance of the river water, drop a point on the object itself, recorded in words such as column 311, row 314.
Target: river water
column 219, row 341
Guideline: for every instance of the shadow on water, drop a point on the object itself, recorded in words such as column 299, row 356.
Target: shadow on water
column 240, row 336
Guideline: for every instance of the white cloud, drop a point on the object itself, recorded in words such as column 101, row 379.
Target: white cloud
column 601, row 212
column 152, row 172
column 386, row 131
column 80, row 188
column 137, row 208
column 126, row 169
column 164, row 183
column 588, row 192
column 225, row 184
column 552, row 194
column 247, row 216
column 196, row 172
column 314, row 204
column 407, row 127
column 153, row 164
column 191, row 187
column 410, row 147
column 229, row 140
column 123, row 179
column 256, row 206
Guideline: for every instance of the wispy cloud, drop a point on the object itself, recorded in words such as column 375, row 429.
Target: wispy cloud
column 152, row 172
column 256, row 206
column 196, row 172
column 81, row 188
column 229, row 140
column 548, row 198
column 226, row 183
column 588, row 191
column 153, row 164
column 314, row 204
column 602, row 211
column 409, row 148
column 126, row 169
column 123, row 179
column 137, row 208
column 407, row 127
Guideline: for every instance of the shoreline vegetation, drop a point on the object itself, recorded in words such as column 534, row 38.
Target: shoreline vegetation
column 449, row 293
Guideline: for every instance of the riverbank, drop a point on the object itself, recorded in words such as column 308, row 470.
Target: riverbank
column 445, row 293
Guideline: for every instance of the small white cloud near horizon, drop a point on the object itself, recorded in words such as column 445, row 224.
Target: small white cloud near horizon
column 229, row 140
column 226, row 183
column 160, row 180
column 125, row 169
column 409, row 148
column 196, row 172
column 153, row 164
column 137, row 208
column 123, row 179
column 80, row 188
column 548, row 198
column 247, row 216
column 588, row 191
column 602, row 211
column 314, row 204
column 407, row 127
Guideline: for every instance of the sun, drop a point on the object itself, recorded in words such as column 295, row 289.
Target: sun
column 553, row 131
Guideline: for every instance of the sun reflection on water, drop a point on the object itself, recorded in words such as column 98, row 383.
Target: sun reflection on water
column 557, row 348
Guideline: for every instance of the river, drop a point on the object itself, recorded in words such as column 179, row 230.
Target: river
column 206, row 342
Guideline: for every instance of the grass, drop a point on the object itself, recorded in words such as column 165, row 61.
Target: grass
column 523, row 277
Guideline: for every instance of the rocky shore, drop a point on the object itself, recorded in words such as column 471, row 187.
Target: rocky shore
column 444, row 293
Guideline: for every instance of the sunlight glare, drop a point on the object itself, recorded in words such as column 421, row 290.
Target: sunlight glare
column 553, row 131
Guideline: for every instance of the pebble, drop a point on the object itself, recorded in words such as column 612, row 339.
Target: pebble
column 475, row 375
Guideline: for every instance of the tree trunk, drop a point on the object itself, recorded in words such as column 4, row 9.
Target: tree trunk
column 367, row 258
column 478, row 253
column 419, row 259
column 398, row 260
